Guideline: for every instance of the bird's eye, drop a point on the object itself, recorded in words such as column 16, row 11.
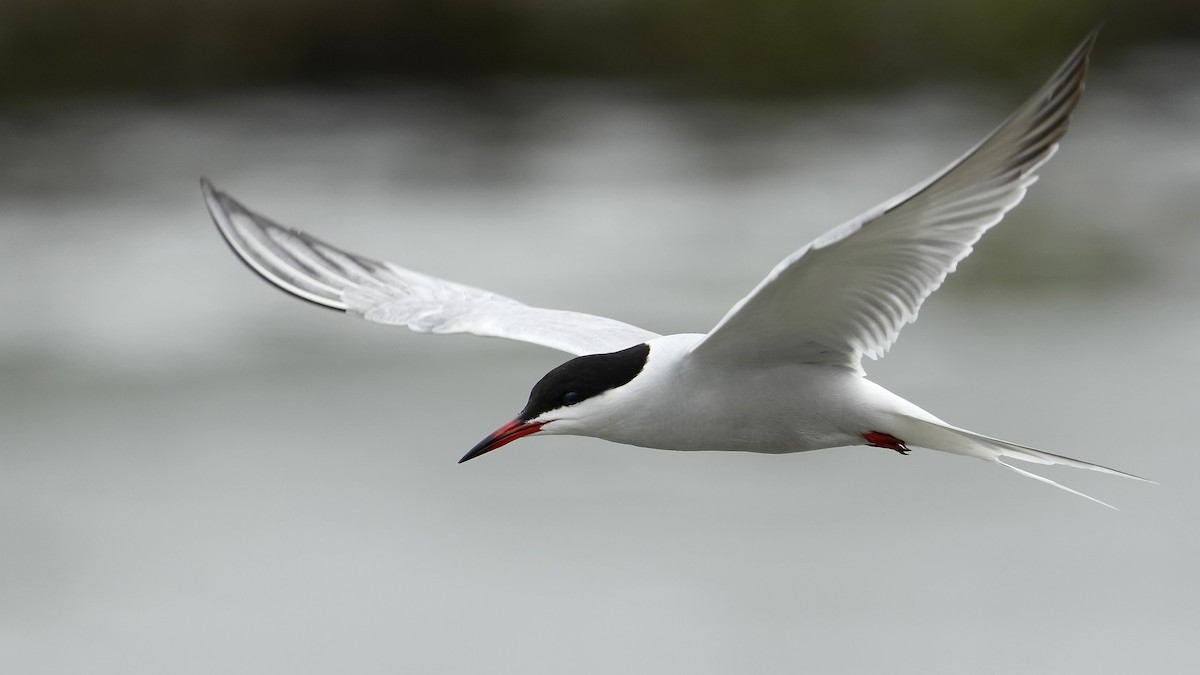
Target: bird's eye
column 571, row 398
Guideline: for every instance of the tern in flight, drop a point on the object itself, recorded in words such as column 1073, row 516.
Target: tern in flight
column 780, row 373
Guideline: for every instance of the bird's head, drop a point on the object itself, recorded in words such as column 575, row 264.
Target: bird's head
column 570, row 397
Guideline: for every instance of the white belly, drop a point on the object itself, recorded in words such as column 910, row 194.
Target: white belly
column 791, row 408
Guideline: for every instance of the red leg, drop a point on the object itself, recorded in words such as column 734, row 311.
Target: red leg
column 881, row 440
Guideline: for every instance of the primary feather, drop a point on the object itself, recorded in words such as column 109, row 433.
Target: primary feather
column 849, row 292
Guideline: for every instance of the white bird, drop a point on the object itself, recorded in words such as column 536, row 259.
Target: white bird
column 780, row 373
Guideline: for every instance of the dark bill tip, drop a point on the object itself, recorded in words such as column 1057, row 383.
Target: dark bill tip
column 503, row 436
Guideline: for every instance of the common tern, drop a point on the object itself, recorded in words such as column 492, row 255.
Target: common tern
column 780, row 373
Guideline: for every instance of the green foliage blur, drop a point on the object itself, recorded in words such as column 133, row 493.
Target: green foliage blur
column 67, row 48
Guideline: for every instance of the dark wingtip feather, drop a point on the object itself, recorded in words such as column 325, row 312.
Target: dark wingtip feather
column 219, row 205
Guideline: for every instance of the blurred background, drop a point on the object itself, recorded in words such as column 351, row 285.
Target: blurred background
column 199, row 474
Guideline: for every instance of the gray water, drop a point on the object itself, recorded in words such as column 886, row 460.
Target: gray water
column 201, row 475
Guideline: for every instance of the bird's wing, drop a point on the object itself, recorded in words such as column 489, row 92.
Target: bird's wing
column 850, row 291
column 312, row 270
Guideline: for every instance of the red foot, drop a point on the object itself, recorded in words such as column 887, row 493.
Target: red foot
column 882, row 440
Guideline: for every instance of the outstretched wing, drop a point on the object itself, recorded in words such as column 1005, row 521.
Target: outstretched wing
column 312, row 270
column 849, row 292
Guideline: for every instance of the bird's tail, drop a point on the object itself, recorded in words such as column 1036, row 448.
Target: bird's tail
column 937, row 435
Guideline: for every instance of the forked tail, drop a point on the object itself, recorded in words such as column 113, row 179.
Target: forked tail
column 941, row 436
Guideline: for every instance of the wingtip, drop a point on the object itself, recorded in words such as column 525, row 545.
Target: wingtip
column 212, row 200
column 206, row 187
column 250, row 237
column 1084, row 50
column 218, row 211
